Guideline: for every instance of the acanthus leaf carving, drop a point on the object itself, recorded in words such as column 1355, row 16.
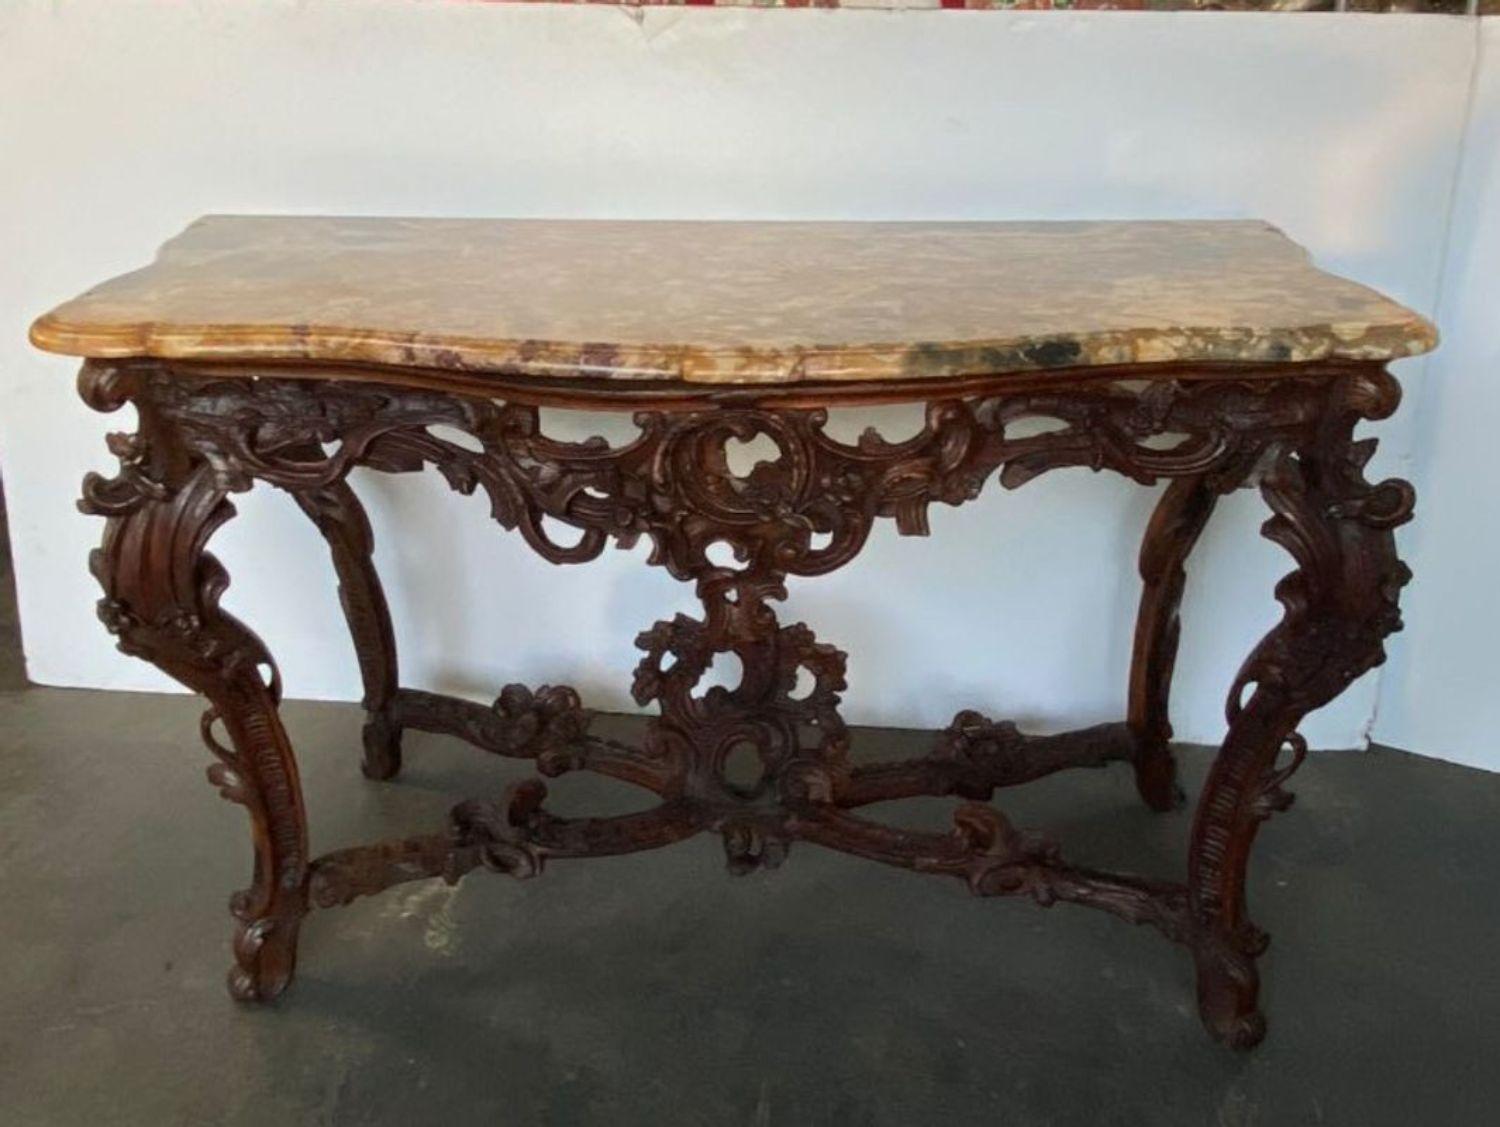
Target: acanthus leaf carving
column 672, row 481
column 807, row 510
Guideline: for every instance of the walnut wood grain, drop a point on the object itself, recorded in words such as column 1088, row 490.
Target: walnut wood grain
column 339, row 516
column 1175, row 526
column 761, row 764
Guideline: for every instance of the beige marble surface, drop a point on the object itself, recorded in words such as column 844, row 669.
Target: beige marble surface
column 731, row 302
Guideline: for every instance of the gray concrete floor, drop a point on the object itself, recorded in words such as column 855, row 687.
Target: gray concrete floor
column 656, row 990
column 12, row 665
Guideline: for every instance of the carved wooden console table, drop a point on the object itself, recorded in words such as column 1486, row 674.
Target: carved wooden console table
column 289, row 351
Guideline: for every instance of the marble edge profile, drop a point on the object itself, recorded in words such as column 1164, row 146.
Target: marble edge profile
column 694, row 364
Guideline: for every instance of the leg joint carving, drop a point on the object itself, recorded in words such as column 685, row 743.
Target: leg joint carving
column 762, row 762
column 161, row 599
column 1339, row 605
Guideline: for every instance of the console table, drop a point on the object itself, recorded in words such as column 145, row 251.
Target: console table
column 1209, row 355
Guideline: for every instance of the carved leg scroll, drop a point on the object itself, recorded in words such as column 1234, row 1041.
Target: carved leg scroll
column 161, row 598
column 341, row 519
column 762, row 759
column 1174, row 528
column 1339, row 605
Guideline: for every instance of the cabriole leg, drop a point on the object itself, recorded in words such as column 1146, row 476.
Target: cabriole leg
column 1339, row 605
column 161, row 598
column 341, row 519
column 1174, row 528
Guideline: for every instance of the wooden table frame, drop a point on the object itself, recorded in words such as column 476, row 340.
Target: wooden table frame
column 759, row 764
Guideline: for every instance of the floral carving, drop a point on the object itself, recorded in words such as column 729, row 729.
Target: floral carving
column 764, row 761
column 672, row 482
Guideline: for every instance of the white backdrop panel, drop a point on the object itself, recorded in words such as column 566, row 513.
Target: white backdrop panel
column 121, row 120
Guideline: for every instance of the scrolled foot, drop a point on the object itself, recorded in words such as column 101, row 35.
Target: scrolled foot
column 265, row 958
column 382, row 740
column 1238, row 1031
column 1228, row 996
column 1156, row 781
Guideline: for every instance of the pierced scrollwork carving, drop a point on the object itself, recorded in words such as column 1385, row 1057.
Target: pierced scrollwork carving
column 1339, row 605
column 762, row 762
column 761, row 710
column 545, row 725
column 1273, row 796
column 805, row 512
column 499, row 836
column 162, row 591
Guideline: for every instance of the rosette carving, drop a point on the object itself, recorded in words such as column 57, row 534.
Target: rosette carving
column 804, row 512
column 764, row 759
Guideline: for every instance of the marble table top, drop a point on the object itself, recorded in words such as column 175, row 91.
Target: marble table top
column 731, row 302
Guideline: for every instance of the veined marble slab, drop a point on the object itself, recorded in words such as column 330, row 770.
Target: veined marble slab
column 731, row 302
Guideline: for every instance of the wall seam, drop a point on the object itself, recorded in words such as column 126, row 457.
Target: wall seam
column 1423, row 407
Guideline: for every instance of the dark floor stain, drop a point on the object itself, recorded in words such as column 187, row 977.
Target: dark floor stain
column 656, row 990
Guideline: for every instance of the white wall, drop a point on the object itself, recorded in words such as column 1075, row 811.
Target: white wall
column 1441, row 694
column 120, row 120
